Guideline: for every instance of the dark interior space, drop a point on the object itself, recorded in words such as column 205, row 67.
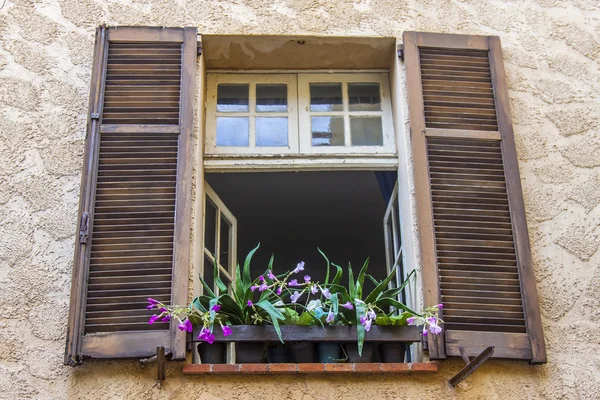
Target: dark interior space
column 291, row 214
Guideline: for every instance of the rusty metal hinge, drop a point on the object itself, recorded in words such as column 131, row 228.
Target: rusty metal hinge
column 84, row 227
column 472, row 365
column 401, row 52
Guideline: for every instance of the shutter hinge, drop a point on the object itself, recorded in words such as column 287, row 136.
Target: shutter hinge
column 199, row 48
column 400, row 49
column 95, row 115
column 84, row 227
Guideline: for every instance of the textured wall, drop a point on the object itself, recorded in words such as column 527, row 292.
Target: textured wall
column 552, row 54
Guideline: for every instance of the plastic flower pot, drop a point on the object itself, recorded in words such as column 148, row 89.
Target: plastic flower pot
column 215, row 353
column 303, row 352
column 278, row 355
column 367, row 352
column 392, row 352
column 329, row 352
column 249, row 353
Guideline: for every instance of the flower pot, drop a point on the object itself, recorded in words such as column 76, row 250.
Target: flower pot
column 392, row 352
column 215, row 353
column 249, row 353
column 303, row 352
column 367, row 352
column 277, row 355
column 329, row 352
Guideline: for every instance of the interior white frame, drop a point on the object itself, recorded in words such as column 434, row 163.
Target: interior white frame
column 305, row 132
column 252, row 79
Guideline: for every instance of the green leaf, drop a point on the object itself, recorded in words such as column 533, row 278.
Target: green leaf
column 360, row 279
column 306, row 319
column 360, row 329
column 207, row 289
column 335, row 303
column 246, row 271
column 351, row 287
column 387, row 302
column 275, row 315
column 384, row 284
column 328, row 265
column 396, row 320
column 375, row 281
column 217, row 274
column 337, row 279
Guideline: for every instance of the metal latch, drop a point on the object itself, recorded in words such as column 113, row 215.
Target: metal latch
column 95, row 115
column 84, row 227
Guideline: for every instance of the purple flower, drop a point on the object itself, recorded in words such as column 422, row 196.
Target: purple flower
column 348, row 305
column 306, row 278
column 424, row 331
column 253, row 288
column 314, row 289
column 279, row 290
column 293, row 282
column 162, row 310
column 435, row 329
column 166, row 318
column 150, row 306
column 330, row 317
column 363, row 320
column 410, row 319
column 271, row 276
column 250, row 303
column 226, row 330
column 294, row 297
column 210, row 339
column 152, row 301
column 368, row 323
column 299, row 267
column 440, row 305
column 263, row 287
column 261, row 278
column 153, row 319
column 204, row 333
column 326, row 293
column 216, row 308
column 186, row 326
column 371, row 314
column 432, row 320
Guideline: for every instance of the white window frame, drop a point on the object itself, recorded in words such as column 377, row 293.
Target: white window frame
column 382, row 78
column 214, row 79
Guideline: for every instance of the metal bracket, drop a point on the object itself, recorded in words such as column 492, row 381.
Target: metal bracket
column 471, row 366
column 161, row 366
column 199, row 48
column 95, row 115
column 401, row 52
column 84, row 227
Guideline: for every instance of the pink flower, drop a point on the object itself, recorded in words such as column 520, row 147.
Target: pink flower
column 226, row 330
column 216, row 308
column 250, row 303
column 347, row 305
column 186, row 326
column 261, row 278
column 166, row 318
column 440, row 306
column 153, row 319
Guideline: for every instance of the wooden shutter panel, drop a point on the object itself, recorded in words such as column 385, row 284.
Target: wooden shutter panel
column 134, row 216
column 474, row 242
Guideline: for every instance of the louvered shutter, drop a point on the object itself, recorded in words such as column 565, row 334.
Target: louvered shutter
column 134, row 217
column 474, row 242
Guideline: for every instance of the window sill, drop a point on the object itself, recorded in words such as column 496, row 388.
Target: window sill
column 310, row 369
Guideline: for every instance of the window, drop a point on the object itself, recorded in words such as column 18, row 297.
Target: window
column 305, row 113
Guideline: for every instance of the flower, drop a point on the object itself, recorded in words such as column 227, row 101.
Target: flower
column 306, row 278
column 432, row 320
column 330, row 317
column 293, row 282
column 347, row 305
column 314, row 289
column 166, row 318
column 279, row 290
column 261, row 278
column 206, row 336
column 150, row 306
column 368, row 323
column 440, row 306
column 363, row 320
column 187, row 326
column 250, row 303
column 153, row 319
column 216, row 308
column 163, row 310
column 424, row 331
column 226, row 330
column 263, row 287
column 182, row 325
column 294, row 297
column 371, row 314
column 299, row 267
column 253, row 288
column 410, row 320
column 435, row 329
column 326, row 293
column 210, row 339
column 152, row 301
column 271, row 276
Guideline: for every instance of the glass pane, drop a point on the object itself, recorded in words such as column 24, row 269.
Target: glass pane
column 326, row 97
column 232, row 131
column 364, row 96
column 272, row 131
column 210, row 226
column 366, row 131
column 271, row 98
column 232, row 97
column 209, row 273
column 327, row 131
column 224, row 243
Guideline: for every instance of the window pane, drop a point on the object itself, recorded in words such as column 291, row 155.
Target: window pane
column 272, row 131
column 326, row 97
column 364, row 96
column 210, row 225
column 224, row 243
column 271, row 98
column 327, row 131
column 232, row 131
column 366, row 131
column 209, row 273
column 232, row 97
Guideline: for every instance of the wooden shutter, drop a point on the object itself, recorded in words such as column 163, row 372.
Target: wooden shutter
column 474, row 242
column 134, row 213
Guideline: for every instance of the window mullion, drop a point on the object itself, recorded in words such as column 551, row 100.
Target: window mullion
column 252, row 115
column 345, row 102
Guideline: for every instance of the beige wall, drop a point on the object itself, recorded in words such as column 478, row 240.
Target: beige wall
column 552, row 54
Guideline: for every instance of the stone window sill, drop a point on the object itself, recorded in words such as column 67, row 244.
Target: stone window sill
column 332, row 368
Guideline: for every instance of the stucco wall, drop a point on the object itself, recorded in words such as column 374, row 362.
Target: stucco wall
column 552, row 54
